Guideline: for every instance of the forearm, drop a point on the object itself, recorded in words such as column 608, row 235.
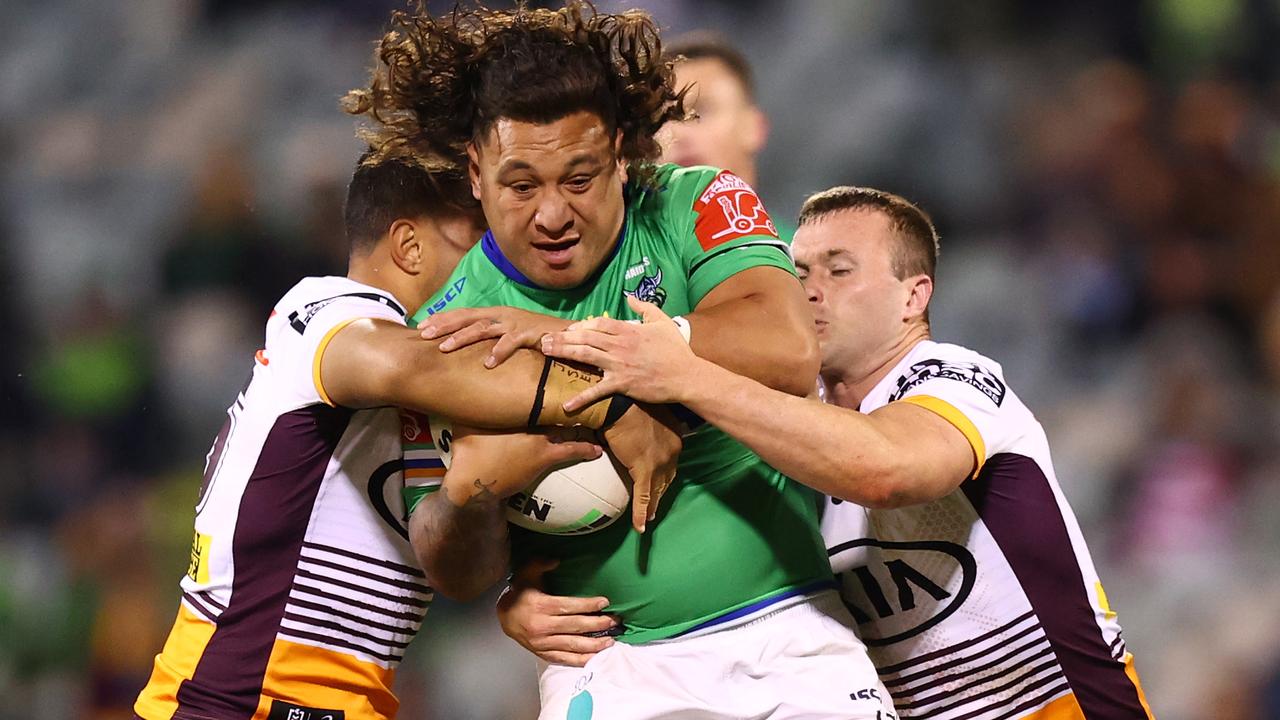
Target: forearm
column 836, row 451
column 371, row 364
column 456, row 385
column 463, row 549
column 766, row 333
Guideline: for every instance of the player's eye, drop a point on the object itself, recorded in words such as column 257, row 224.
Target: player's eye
column 579, row 183
column 522, row 188
column 840, row 271
column 801, row 273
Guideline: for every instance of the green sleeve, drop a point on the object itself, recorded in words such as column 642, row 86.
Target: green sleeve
column 721, row 227
column 413, row 494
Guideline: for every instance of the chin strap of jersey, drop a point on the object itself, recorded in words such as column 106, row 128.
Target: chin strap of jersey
column 562, row 381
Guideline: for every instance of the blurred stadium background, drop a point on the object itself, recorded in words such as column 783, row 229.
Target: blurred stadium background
column 1106, row 177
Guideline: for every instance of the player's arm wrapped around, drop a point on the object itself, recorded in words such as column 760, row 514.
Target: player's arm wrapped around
column 750, row 313
column 459, row 533
column 562, row 380
column 372, row 363
column 645, row 439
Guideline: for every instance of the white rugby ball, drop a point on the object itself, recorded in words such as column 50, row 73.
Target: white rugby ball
column 573, row 499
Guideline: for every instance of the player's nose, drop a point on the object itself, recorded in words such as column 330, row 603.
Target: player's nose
column 554, row 216
column 811, row 290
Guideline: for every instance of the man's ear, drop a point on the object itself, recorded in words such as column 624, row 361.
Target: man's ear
column 473, row 168
column 406, row 238
column 921, row 292
column 617, row 155
column 756, row 133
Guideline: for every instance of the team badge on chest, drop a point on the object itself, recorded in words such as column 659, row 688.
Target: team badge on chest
column 649, row 290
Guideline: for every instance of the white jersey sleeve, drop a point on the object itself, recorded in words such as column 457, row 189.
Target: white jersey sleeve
column 307, row 318
column 968, row 391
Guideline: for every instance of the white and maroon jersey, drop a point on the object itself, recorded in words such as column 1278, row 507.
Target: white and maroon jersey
column 303, row 591
column 983, row 605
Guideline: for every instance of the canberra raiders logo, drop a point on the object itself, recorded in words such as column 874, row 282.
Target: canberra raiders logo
column 649, row 290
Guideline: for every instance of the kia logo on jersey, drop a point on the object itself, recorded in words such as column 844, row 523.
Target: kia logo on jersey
column 729, row 209
column 904, row 588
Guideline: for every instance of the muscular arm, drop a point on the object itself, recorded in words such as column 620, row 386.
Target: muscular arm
column 898, row 455
column 459, row 533
column 460, row 539
column 901, row 454
column 372, row 363
column 757, row 323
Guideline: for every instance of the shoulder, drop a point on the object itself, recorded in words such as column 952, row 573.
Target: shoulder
column 707, row 205
column 932, row 362
column 673, row 190
column 313, row 296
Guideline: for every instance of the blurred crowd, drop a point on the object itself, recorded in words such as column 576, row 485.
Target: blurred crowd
column 1106, row 181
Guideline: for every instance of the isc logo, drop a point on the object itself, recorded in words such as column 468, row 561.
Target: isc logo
column 450, row 295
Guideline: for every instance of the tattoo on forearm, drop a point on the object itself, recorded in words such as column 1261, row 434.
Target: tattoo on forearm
column 483, row 492
column 464, row 546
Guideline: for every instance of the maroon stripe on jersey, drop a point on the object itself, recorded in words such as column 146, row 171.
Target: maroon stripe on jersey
column 330, row 639
column 353, row 570
column 321, row 624
column 305, row 589
column 407, row 600
column 359, row 620
column 1016, row 503
column 203, row 609
column 274, row 511
column 207, row 599
column 1039, row 643
column 1034, row 627
column 365, row 558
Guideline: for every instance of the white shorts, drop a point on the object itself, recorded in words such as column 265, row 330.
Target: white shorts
column 800, row 660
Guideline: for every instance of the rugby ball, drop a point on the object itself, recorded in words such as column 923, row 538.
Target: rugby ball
column 574, row 499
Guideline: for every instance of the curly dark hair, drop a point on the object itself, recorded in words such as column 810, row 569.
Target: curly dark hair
column 439, row 82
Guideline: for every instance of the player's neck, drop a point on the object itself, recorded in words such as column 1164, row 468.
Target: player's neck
column 848, row 387
column 379, row 271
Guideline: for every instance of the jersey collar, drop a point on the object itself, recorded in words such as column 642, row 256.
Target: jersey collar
column 489, row 246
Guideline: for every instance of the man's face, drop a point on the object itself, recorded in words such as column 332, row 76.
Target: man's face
column 729, row 130
column 552, row 195
column 845, row 262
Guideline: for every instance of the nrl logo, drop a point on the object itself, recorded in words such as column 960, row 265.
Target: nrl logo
column 649, row 290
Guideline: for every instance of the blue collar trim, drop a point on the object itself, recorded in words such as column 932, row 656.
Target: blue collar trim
column 489, row 246
column 491, row 250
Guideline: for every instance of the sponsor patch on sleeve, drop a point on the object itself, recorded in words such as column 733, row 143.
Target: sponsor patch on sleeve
column 966, row 372
column 729, row 209
column 414, row 428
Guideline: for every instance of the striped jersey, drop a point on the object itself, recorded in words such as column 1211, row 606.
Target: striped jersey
column 303, row 591
column 984, row 604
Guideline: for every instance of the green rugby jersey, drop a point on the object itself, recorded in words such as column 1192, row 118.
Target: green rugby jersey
column 731, row 532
